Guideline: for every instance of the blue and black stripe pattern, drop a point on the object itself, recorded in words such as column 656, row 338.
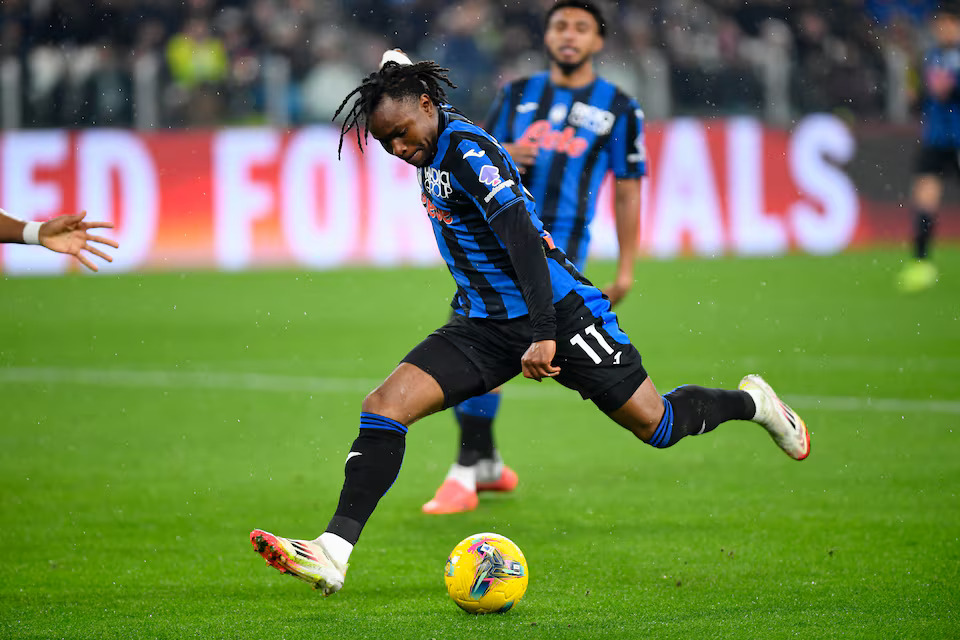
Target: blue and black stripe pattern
column 661, row 437
column 941, row 115
column 376, row 421
column 482, row 406
column 471, row 181
column 581, row 135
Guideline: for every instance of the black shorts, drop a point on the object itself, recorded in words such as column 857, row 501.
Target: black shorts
column 470, row 356
column 938, row 161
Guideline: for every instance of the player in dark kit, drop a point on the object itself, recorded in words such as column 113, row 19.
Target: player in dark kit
column 566, row 129
column 940, row 145
column 521, row 307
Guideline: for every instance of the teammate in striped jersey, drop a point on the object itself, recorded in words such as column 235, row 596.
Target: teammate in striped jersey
column 567, row 129
column 520, row 307
column 939, row 148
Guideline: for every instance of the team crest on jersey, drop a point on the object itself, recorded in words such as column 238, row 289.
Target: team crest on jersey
column 435, row 182
column 490, row 175
column 557, row 114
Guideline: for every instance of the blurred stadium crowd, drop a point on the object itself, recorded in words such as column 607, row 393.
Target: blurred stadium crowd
column 183, row 63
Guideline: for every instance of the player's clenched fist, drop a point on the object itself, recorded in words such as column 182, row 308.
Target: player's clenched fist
column 537, row 360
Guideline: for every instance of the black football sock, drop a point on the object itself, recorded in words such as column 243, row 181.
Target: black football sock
column 371, row 468
column 475, row 417
column 924, row 223
column 691, row 410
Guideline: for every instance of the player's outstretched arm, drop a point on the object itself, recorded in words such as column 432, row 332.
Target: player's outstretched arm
column 626, row 209
column 11, row 229
column 68, row 234
column 63, row 234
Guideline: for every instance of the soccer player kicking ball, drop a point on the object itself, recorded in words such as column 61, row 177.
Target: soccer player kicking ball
column 522, row 307
column 566, row 129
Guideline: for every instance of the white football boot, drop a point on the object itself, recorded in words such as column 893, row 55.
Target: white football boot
column 303, row 559
column 787, row 428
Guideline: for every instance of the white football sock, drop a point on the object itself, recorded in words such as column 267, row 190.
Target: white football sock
column 338, row 548
column 758, row 400
column 466, row 476
column 489, row 469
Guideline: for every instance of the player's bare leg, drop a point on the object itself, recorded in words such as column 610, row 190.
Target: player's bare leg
column 371, row 467
column 642, row 412
column 690, row 410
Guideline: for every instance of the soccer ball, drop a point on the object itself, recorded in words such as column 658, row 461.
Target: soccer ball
column 486, row 573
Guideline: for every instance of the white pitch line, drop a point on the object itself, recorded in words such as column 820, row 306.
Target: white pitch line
column 269, row 382
column 186, row 380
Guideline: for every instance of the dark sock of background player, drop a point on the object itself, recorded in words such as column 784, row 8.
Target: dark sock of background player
column 923, row 227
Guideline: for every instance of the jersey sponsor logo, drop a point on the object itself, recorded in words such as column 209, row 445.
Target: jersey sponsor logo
column 436, row 182
column 490, row 175
column 541, row 134
column 591, row 118
column 435, row 212
column 527, row 107
column 500, row 187
column 473, row 153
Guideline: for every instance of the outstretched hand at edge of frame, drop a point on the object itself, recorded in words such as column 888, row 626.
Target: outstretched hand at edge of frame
column 68, row 234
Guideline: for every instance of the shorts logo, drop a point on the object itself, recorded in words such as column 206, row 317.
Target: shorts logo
column 436, row 182
column 490, row 175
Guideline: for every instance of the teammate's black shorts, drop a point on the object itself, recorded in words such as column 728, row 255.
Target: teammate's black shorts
column 938, row 161
column 470, row 356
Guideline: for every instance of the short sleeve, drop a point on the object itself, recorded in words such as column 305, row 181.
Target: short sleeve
column 484, row 170
column 628, row 148
column 496, row 121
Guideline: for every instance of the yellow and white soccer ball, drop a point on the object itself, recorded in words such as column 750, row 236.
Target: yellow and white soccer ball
column 486, row 573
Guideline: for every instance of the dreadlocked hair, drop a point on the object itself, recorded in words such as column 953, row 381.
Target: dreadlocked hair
column 396, row 81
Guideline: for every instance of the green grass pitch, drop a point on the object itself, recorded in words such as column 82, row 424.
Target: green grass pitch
column 149, row 422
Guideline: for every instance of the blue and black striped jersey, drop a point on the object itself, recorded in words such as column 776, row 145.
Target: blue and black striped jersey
column 581, row 134
column 471, row 181
column 941, row 117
